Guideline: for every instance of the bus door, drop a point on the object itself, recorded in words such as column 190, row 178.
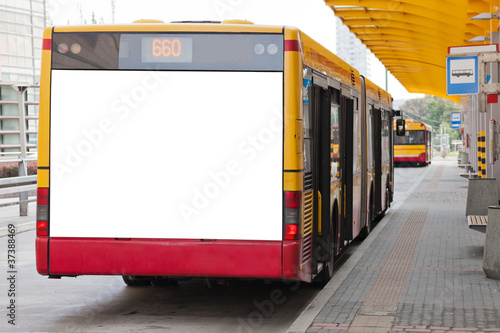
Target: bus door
column 377, row 141
column 320, row 150
column 346, row 153
column 428, row 138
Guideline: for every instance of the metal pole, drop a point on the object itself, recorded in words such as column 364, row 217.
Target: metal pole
column 441, row 138
column 22, row 168
column 386, row 80
column 22, row 118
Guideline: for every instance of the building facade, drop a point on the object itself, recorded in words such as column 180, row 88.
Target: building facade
column 21, row 33
column 350, row 49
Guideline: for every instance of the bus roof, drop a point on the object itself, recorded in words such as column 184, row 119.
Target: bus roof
column 168, row 27
column 320, row 58
column 314, row 54
column 377, row 94
column 412, row 125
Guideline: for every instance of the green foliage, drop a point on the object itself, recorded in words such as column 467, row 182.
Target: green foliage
column 417, row 106
column 433, row 111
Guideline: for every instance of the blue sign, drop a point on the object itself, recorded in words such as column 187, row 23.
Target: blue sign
column 462, row 77
column 306, row 83
column 456, row 120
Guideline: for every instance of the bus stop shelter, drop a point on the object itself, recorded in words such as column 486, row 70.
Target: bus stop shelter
column 412, row 39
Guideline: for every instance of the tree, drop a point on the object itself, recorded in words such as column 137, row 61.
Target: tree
column 416, row 106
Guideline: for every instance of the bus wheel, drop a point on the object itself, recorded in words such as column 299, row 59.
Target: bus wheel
column 388, row 196
column 164, row 281
column 369, row 217
column 327, row 272
column 136, row 281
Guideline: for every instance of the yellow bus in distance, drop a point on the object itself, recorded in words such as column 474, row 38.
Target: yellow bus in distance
column 415, row 147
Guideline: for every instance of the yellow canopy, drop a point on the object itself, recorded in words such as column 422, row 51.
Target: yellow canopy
column 411, row 37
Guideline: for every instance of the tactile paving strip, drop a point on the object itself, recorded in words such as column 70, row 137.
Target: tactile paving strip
column 433, row 184
column 379, row 308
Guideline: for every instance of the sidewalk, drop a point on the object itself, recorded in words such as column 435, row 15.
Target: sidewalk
column 419, row 271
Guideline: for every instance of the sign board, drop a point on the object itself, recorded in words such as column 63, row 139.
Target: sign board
column 472, row 49
column 462, row 75
column 456, row 120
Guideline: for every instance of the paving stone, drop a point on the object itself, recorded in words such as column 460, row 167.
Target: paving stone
column 443, row 287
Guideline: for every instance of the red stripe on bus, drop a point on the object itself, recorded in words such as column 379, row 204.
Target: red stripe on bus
column 409, row 159
column 42, row 251
column 292, row 45
column 168, row 257
column 292, row 257
column 47, row 44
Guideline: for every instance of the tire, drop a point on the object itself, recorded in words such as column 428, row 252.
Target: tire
column 367, row 229
column 370, row 216
column 388, row 197
column 141, row 281
column 164, row 281
column 137, row 281
column 328, row 269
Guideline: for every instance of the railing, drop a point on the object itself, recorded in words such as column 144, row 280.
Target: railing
column 21, row 184
column 22, row 151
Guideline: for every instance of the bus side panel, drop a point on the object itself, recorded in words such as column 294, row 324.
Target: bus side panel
column 292, row 256
column 41, row 242
column 42, row 252
column 356, row 206
column 103, row 256
column 410, row 153
column 386, row 169
column 44, row 118
column 296, row 254
column 385, row 161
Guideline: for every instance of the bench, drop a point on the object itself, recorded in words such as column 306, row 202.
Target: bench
column 477, row 222
column 468, row 171
column 469, row 175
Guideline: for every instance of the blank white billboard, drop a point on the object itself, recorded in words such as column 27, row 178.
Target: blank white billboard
column 166, row 154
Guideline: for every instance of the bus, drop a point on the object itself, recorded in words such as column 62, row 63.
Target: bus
column 211, row 150
column 415, row 147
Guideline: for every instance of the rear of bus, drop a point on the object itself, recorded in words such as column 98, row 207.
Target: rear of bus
column 161, row 152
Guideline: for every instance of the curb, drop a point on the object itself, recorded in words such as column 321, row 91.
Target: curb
column 306, row 318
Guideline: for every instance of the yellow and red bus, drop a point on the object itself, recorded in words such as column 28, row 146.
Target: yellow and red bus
column 415, row 147
column 227, row 150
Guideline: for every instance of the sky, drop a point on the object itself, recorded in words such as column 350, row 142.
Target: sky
column 311, row 16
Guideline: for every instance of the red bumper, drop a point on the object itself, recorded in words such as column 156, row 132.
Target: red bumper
column 220, row 258
column 409, row 159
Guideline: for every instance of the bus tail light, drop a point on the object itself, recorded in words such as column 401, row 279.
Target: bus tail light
column 293, row 208
column 422, row 156
column 47, row 44
column 42, row 212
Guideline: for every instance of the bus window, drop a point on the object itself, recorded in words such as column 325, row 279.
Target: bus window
column 371, row 138
column 355, row 142
column 385, row 138
column 307, row 127
column 400, row 127
column 410, row 138
column 335, row 141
